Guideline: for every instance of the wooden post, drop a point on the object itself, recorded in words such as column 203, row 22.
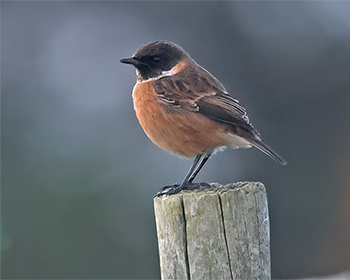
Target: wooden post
column 221, row 232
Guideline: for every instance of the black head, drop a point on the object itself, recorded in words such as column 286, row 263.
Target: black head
column 153, row 58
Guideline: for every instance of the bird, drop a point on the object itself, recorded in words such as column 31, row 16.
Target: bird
column 184, row 109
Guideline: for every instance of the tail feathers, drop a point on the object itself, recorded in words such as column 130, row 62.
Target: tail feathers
column 267, row 150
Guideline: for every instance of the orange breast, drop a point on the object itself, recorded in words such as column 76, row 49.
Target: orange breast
column 184, row 133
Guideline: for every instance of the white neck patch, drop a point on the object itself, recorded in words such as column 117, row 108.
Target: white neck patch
column 168, row 73
column 173, row 71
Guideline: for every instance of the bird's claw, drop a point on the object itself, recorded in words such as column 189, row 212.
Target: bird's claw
column 174, row 189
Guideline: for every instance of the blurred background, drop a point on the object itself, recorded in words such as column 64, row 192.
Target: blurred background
column 78, row 173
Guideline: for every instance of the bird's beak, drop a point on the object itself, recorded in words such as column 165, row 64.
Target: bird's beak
column 130, row 60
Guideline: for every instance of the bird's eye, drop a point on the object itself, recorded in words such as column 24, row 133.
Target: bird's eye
column 156, row 59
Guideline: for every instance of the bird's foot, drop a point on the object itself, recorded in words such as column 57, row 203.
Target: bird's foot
column 168, row 190
column 174, row 189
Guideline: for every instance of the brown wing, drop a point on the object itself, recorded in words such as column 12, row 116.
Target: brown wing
column 196, row 90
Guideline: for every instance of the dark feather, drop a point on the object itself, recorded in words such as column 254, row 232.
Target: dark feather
column 194, row 89
column 267, row 150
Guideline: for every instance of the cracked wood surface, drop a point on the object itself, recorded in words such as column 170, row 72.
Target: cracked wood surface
column 220, row 232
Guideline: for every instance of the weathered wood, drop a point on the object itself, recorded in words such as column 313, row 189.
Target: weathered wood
column 221, row 232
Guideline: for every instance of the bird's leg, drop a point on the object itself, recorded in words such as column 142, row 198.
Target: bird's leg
column 177, row 188
column 201, row 164
column 197, row 165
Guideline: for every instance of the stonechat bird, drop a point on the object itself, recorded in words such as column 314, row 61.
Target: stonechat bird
column 184, row 109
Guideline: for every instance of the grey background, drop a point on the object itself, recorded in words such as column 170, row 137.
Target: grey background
column 78, row 173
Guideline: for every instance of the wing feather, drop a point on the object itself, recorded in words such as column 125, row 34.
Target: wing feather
column 196, row 90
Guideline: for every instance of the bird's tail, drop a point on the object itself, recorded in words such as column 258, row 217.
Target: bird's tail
column 267, row 150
